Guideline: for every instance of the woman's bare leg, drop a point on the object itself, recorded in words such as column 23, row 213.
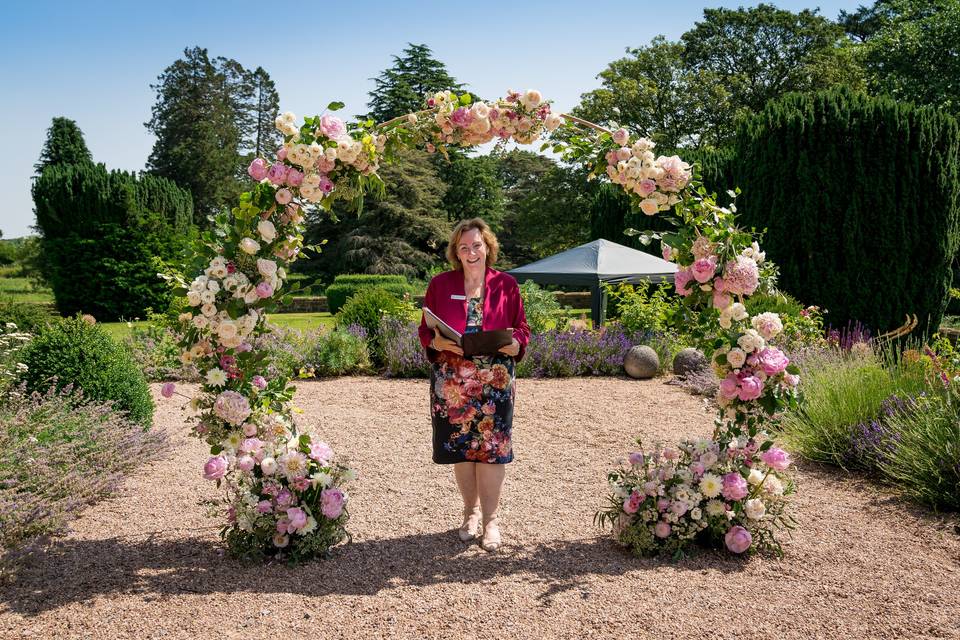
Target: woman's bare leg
column 490, row 484
column 466, row 476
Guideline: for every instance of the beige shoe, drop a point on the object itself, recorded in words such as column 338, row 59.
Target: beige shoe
column 491, row 535
column 471, row 523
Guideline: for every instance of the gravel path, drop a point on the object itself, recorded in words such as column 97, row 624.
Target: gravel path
column 148, row 563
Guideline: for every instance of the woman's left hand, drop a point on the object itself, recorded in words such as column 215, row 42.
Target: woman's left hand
column 511, row 349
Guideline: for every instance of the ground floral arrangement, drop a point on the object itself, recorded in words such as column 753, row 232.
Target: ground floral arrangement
column 285, row 491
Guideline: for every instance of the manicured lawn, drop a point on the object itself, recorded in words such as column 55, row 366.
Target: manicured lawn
column 299, row 321
column 21, row 290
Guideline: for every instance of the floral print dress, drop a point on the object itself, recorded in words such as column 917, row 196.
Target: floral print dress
column 471, row 403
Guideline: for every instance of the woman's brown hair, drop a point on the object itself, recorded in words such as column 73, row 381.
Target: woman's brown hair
column 493, row 247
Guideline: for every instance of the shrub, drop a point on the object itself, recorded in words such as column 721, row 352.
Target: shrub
column 27, row 316
column 586, row 352
column 541, row 308
column 842, row 390
column 12, row 343
column 801, row 325
column 74, row 352
column 345, row 286
column 340, row 353
column 403, row 355
column 155, row 347
column 59, row 451
column 643, row 307
column 366, row 308
column 302, row 354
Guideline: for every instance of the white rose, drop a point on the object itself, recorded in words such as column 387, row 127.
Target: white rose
column 754, row 508
column 268, row 466
column 738, row 311
column 193, row 298
column 696, row 513
column 208, row 310
column 531, row 99
column 268, row 232
column 251, row 296
column 649, row 206
column 267, row 268
column 736, row 358
column 552, row 122
column 249, row 246
column 208, row 297
column 755, row 477
column 200, row 322
column 480, row 109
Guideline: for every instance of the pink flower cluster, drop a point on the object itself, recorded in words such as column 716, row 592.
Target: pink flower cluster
column 232, row 407
column 656, row 180
column 521, row 117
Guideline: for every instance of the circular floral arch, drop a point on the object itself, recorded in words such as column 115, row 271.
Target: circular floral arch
column 283, row 488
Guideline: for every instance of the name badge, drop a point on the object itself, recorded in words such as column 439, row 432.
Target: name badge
column 454, row 296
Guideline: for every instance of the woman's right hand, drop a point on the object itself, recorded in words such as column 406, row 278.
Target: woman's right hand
column 442, row 343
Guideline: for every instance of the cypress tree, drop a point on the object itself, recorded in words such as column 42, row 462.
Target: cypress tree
column 64, row 145
column 860, row 198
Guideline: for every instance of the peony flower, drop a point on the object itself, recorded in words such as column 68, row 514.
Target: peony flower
column 681, row 280
column 621, row 136
column 751, row 388
column 264, row 290
column 741, row 276
column 632, row 504
column 215, row 468
column 167, row 390
column 249, row 246
column 321, row 452
column 264, row 506
column 277, row 174
column 331, row 501
column 662, row 529
column 704, row 269
column 636, row 458
column 791, row 379
column 332, row 127
column 767, row 324
column 729, row 386
column 232, row 407
column 268, row 466
column 245, row 463
column 772, row 361
column 284, row 196
column 294, row 178
column 297, row 517
column 754, row 508
column 259, row 382
column 776, row 458
column 738, row 539
column 734, row 486
column 258, row 169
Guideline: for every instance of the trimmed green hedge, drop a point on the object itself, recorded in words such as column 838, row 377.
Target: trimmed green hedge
column 344, row 286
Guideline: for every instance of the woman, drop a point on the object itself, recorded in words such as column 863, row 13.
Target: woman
column 471, row 399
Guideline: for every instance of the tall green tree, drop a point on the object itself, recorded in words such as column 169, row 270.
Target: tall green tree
column 403, row 232
column 210, row 116
column 654, row 94
column 911, row 49
column 401, row 89
column 473, row 188
column 764, row 52
column 64, row 145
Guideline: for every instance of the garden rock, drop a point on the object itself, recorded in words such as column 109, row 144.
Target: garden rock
column 641, row 362
column 689, row 360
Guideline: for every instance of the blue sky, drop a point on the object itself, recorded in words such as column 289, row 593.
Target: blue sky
column 94, row 62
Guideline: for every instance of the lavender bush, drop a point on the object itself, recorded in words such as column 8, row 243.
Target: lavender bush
column 58, row 453
column 403, row 355
column 873, row 441
column 321, row 352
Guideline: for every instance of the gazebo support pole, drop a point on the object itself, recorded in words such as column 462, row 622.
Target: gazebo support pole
column 598, row 304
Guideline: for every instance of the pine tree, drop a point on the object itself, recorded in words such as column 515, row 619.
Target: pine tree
column 64, row 145
column 264, row 139
column 402, row 88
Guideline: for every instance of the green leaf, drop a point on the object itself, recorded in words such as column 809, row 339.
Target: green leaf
column 335, row 106
column 216, row 449
column 793, row 369
column 465, row 99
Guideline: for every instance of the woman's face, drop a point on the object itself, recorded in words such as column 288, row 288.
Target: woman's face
column 472, row 250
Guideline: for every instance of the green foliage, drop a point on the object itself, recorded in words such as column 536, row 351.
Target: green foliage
column 841, row 390
column 802, row 326
column 402, row 88
column 654, row 94
column 155, row 347
column 345, row 285
column 106, row 235
column 541, row 308
column 28, row 317
column 473, row 188
column 64, row 146
column 861, row 201
column 210, row 116
column 340, row 353
column 911, row 49
column 78, row 353
column 763, row 52
column 642, row 307
column 404, row 232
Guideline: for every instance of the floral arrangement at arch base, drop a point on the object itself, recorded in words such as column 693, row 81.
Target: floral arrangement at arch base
column 731, row 489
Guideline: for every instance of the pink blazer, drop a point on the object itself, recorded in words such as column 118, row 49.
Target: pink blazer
column 502, row 307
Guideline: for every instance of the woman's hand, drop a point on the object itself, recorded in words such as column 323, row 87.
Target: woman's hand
column 442, row 343
column 511, row 349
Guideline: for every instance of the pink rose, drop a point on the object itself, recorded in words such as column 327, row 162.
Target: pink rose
column 284, row 498
column 331, row 501
column 264, row 289
column 721, row 300
column 704, row 269
column 667, row 252
column 681, row 279
column 277, row 174
column 215, row 468
column 662, row 529
column 632, row 504
column 284, row 196
column 772, row 361
column 738, row 539
column 326, row 184
column 776, row 458
column 621, row 136
column 729, row 386
column 647, row 186
column 258, row 169
column 249, row 429
column 791, row 379
column 264, row 506
column 259, row 382
column 282, row 153
column 294, row 177
column 332, row 127
column 751, row 388
column 167, row 390
column 245, row 463
column 734, row 486
column 321, row 452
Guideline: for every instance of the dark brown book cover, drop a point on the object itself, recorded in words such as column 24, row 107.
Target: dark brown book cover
column 485, row 343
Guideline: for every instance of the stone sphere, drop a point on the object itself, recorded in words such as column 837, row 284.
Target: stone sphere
column 641, row 362
column 689, row 360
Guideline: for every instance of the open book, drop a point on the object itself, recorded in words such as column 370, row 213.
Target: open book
column 473, row 344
